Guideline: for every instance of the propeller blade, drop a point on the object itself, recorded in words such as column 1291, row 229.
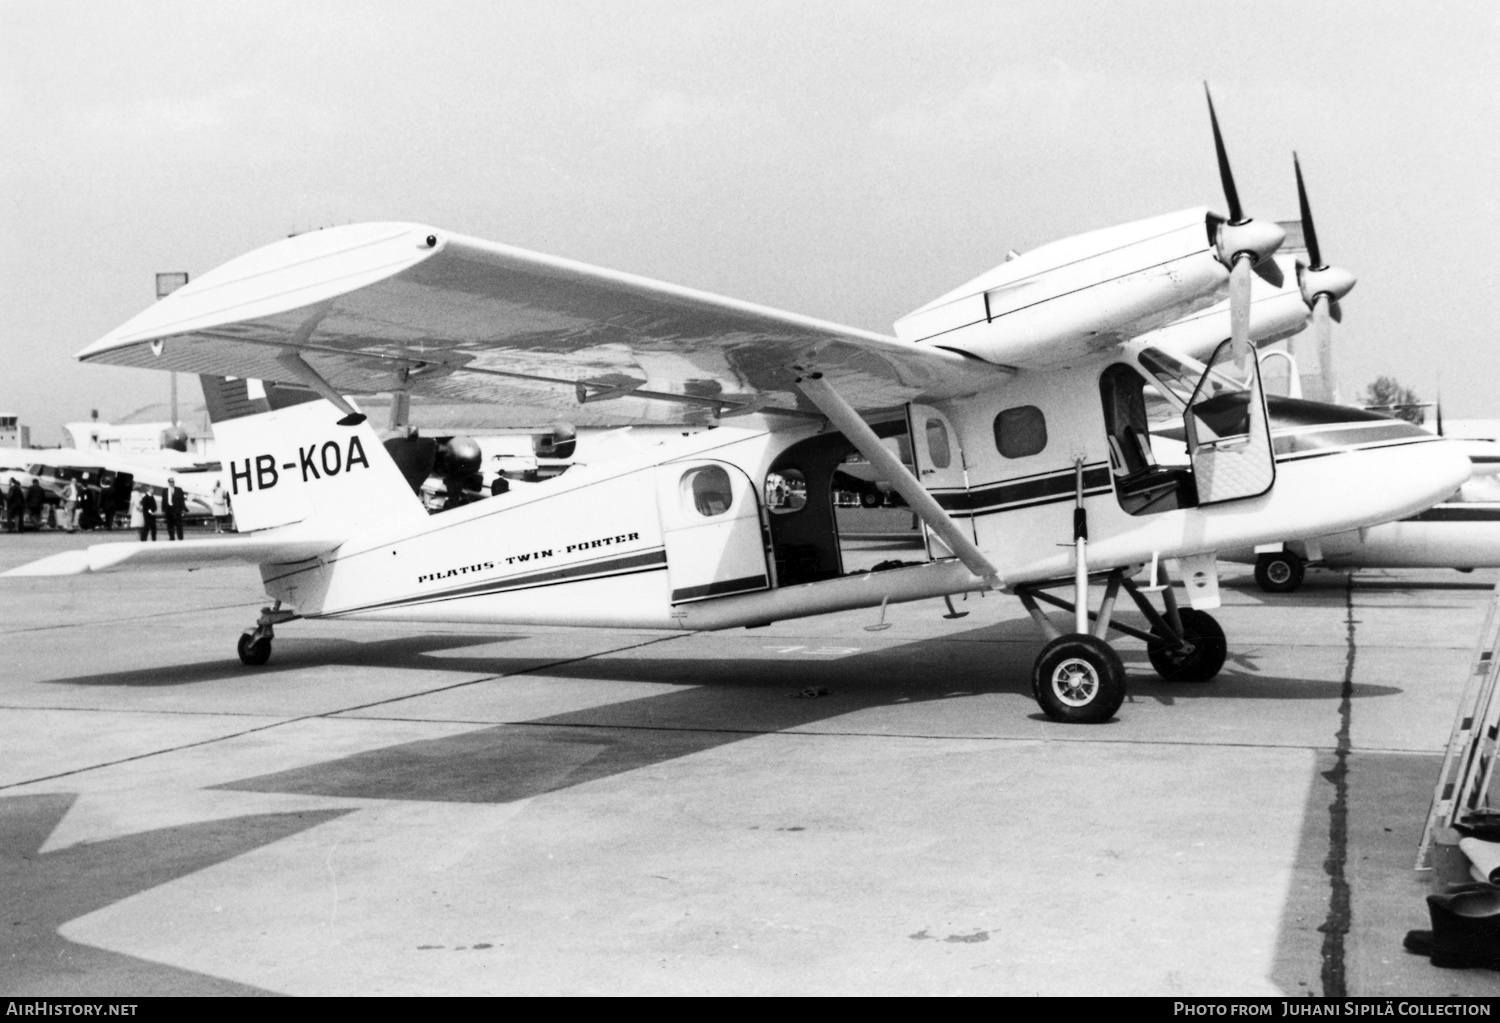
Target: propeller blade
column 1335, row 310
column 1239, row 309
column 1309, row 235
column 1323, row 335
column 1226, row 177
column 1269, row 271
column 1439, row 411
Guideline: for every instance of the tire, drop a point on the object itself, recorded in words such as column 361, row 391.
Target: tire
column 1078, row 679
column 867, row 499
column 1281, row 572
column 254, row 652
column 1209, row 649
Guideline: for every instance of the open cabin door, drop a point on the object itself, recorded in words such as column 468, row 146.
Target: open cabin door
column 711, row 526
column 938, row 461
column 1228, row 436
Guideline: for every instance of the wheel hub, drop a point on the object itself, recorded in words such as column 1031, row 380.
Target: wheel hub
column 1075, row 681
column 1279, row 572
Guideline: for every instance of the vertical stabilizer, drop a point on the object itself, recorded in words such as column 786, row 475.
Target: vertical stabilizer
column 286, row 459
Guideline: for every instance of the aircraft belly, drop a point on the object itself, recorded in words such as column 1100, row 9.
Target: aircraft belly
column 629, row 600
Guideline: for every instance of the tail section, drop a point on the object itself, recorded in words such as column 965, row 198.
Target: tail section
column 287, row 459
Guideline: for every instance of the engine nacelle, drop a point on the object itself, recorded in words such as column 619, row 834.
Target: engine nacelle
column 1275, row 314
column 1079, row 295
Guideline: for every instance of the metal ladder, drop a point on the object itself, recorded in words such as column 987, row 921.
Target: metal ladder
column 1469, row 762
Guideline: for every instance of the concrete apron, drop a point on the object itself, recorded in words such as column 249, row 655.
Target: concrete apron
column 558, row 811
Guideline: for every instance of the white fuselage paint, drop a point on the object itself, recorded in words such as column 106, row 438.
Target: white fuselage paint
column 595, row 547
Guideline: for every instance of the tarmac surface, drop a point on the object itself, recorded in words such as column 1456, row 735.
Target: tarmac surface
column 392, row 810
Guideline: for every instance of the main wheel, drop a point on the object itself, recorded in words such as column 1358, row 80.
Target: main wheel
column 1203, row 662
column 1280, row 572
column 254, row 652
column 1078, row 679
column 869, row 499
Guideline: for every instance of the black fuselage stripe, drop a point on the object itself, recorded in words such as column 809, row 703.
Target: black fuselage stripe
column 1451, row 513
column 749, row 582
column 1325, row 452
column 1028, row 491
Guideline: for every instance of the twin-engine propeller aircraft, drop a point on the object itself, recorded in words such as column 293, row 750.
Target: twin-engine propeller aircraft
column 1021, row 394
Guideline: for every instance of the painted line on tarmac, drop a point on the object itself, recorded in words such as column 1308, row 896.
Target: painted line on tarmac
column 342, row 710
column 1335, row 926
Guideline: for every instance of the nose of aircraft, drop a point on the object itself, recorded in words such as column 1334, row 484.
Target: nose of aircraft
column 1382, row 469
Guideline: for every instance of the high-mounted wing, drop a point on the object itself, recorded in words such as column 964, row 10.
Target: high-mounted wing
column 369, row 306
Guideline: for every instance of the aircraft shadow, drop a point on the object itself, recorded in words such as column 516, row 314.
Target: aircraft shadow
column 292, row 654
column 724, row 700
column 44, row 891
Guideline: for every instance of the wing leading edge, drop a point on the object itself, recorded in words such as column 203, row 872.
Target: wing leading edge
column 470, row 320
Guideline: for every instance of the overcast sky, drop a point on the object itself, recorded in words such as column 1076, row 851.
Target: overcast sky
column 843, row 160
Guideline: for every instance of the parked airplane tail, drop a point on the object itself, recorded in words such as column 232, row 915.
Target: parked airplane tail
column 289, row 458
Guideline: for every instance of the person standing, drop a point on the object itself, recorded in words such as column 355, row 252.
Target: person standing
column 35, row 498
column 70, row 506
column 148, row 514
column 174, row 507
column 15, row 507
column 219, row 505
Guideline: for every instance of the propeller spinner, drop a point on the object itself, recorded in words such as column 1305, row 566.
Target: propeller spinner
column 1245, row 246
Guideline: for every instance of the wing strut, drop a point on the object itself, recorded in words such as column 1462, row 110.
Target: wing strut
column 849, row 422
column 312, row 378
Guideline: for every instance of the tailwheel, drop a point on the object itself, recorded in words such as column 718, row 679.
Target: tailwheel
column 1078, row 679
column 1280, row 572
column 255, row 649
column 1198, row 657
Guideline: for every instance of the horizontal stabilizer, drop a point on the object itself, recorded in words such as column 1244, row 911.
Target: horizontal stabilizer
column 109, row 557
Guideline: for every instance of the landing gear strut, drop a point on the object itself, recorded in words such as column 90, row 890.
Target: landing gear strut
column 255, row 646
column 1079, row 678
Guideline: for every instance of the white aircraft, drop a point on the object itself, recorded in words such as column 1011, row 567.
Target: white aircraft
column 1021, row 393
column 55, row 467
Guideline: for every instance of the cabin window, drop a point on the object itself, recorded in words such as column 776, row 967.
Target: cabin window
column 1021, row 432
column 937, row 444
column 786, row 491
column 707, row 491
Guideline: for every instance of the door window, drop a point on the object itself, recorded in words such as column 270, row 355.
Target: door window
column 707, row 491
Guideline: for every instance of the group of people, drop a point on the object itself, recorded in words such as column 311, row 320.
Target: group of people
column 24, row 508
column 143, row 508
column 87, row 507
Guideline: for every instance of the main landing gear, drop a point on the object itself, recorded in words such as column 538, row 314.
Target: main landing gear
column 255, row 645
column 1078, row 677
